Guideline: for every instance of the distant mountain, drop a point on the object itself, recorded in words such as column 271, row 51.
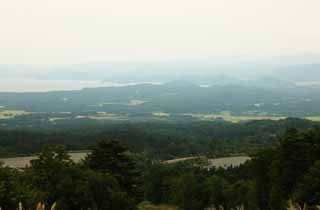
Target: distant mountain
column 270, row 82
column 300, row 73
column 265, row 97
column 180, row 84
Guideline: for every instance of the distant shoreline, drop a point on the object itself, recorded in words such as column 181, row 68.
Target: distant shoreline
column 32, row 85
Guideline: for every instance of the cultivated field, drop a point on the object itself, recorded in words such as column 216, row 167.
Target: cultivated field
column 216, row 162
column 22, row 162
column 161, row 114
column 106, row 116
column 313, row 118
column 8, row 114
column 232, row 118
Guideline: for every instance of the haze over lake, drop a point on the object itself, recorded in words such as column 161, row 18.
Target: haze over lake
column 38, row 85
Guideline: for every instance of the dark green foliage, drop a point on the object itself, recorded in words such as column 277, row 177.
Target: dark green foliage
column 215, row 187
column 157, row 140
column 7, row 186
column 54, row 177
column 296, row 154
column 112, row 178
column 111, row 157
column 308, row 186
column 268, row 181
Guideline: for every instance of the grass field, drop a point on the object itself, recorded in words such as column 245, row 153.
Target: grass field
column 8, row 114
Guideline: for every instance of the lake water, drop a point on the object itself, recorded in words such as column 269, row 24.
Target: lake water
column 35, row 85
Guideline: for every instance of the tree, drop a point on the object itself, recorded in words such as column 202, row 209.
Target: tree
column 188, row 192
column 111, row 157
column 56, row 178
column 214, row 188
column 308, row 187
column 295, row 155
column 48, row 170
column 260, row 167
column 7, row 188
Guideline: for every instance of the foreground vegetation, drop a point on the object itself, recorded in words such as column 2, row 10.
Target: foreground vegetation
column 112, row 178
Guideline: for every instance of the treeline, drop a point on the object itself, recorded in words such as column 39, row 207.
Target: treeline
column 157, row 140
column 273, row 177
column 107, row 179
column 113, row 178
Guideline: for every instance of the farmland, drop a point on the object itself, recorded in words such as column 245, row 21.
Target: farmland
column 8, row 114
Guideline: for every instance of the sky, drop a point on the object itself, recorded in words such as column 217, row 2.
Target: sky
column 65, row 32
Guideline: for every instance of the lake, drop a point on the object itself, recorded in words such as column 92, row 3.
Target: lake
column 37, row 85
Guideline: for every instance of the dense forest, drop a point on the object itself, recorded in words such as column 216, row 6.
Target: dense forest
column 113, row 178
column 158, row 140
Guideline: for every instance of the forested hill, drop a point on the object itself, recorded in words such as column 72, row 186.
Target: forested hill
column 173, row 98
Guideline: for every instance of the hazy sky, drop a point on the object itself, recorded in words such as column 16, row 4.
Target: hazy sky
column 88, row 31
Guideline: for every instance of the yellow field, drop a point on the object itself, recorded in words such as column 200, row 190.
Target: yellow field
column 107, row 117
column 161, row 114
column 232, row 118
column 136, row 102
column 8, row 114
column 313, row 118
column 149, row 206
